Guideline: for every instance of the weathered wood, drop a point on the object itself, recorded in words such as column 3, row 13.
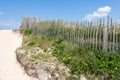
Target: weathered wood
column 103, row 35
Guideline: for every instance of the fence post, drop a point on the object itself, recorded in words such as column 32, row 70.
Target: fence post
column 105, row 38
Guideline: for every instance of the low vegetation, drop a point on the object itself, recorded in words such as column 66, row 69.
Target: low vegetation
column 81, row 60
column 90, row 49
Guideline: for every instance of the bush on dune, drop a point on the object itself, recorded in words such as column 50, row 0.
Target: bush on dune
column 82, row 60
column 79, row 59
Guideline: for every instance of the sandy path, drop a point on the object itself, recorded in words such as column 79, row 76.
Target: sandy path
column 9, row 67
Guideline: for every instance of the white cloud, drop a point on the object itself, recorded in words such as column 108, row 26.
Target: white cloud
column 9, row 23
column 105, row 9
column 101, row 12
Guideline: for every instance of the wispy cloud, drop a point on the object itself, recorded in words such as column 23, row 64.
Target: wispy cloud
column 101, row 12
column 9, row 23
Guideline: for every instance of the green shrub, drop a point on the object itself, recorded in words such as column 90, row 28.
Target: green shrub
column 59, row 49
column 27, row 31
column 58, row 40
column 81, row 60
column 107, row 65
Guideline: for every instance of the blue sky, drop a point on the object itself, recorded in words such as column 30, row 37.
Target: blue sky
column 12, row 11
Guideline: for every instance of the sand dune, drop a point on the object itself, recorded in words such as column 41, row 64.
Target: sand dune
column 10, row 69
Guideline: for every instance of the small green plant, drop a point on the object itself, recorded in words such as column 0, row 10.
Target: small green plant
column 58, row 40
column 27, row 31
column 31, row 43
column 59, row 49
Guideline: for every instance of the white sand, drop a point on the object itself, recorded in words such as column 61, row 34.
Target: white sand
column 10, row 69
